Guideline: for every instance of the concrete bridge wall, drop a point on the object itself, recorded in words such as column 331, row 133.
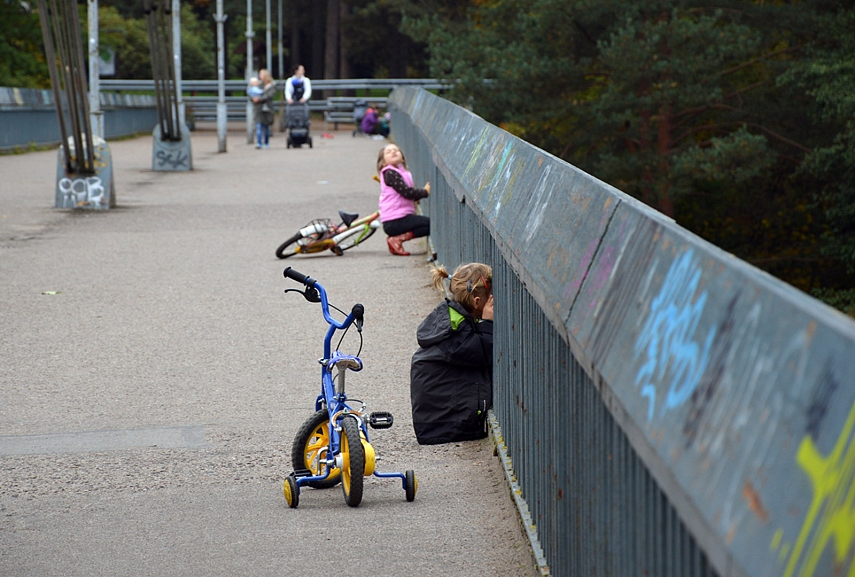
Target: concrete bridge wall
column 666, row 408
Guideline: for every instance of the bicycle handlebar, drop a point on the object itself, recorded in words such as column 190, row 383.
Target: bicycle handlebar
column 299, row 277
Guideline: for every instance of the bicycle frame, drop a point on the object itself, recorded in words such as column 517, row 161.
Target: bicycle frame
column 360, row 225
column 327, row 236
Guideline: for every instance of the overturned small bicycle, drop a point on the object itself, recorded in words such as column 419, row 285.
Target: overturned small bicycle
column 323, row 234
column 333, row 444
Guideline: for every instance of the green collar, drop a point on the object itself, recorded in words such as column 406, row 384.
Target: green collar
column 456, row 317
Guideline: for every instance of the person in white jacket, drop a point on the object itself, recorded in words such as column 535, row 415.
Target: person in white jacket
column 298, row 88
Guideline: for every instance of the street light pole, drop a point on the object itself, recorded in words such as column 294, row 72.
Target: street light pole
column 250, row 34
column 281, row 59
column 222, row 113
column 96, row 117
column 267, row 41
column 176, row 55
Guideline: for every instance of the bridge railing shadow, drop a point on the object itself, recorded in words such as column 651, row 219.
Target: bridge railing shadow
column 666, row 408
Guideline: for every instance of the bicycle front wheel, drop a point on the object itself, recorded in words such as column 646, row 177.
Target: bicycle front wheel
column 356, row 238
column 310, row 446
column 353, row 462
column 289, row 247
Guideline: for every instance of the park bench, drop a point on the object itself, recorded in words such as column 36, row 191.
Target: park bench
column 341, row 109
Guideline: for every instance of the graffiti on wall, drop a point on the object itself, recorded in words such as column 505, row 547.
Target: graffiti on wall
column 671, row 356
column 830, row 518
column 84, row 191
column 175, row 160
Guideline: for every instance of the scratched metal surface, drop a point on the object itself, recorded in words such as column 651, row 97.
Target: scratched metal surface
column 670, row 410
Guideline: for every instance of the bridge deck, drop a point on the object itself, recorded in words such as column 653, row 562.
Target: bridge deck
column 152, row 355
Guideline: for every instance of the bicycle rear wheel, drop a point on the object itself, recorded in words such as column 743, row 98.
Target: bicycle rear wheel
column 311, row 444
column 353, row 467
column 289, row 247
column 356, row 238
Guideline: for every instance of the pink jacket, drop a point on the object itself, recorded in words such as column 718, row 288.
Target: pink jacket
column 392, row 205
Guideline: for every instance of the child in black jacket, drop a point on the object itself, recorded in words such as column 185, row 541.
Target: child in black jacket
column 451, row 377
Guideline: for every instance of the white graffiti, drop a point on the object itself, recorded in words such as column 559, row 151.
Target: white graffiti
column 666, row 343
column 82, row 192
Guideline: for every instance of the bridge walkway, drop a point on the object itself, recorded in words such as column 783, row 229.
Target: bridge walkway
column 154, row 375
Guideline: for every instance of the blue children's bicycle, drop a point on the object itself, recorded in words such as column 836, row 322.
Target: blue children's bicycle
column 333, row 445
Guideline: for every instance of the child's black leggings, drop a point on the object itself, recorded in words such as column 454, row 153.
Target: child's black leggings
column 418, row 224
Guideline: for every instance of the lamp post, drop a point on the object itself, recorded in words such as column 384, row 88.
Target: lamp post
column 267, row 41
column 222, row 118
column 176, row 55
column 279, row 31
column 250, row 34
column 96, row 117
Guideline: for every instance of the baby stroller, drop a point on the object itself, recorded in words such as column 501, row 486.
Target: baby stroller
column 297, row 121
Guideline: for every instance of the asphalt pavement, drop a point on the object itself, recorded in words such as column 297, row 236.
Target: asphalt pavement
column 154, row 373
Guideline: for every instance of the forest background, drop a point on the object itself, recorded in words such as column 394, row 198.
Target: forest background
column 736, row 118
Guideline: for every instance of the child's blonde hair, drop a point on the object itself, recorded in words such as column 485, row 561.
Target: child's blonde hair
column 470, row 280
column 380, row 164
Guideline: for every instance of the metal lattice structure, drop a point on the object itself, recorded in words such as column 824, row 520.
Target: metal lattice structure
column 64, row 51
column 158, row 15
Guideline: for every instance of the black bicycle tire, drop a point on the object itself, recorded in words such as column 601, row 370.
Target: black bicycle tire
column 280, row 252
column 344, row 246
column 298, row 449
column 352, row 479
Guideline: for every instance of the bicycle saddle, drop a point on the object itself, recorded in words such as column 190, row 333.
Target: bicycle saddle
column 347, row 217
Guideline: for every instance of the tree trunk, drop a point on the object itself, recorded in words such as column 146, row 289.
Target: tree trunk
column 644, row 149
column 317, row 41
column 331, row 48
column 343, row 62
column 296, row 55
column 663, row 147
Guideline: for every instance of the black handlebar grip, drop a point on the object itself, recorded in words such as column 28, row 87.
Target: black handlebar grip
column 358, row 312
column 299, row 277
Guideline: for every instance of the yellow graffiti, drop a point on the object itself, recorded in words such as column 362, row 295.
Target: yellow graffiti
column 832, row 511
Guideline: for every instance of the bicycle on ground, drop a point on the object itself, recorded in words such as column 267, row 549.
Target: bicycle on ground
column 333, row 444
column 323, row 234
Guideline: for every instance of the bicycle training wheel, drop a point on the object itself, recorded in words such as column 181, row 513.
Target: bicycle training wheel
column 310, row 445
column 411, row 485
column 356, row 238
column 353, row 462
column 289, row 247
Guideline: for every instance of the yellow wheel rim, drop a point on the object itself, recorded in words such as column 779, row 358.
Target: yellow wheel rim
column 316, row 448
column 289, row 496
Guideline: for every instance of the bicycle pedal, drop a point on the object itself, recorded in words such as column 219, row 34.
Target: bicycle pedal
column 303, row 473
column 380, row 420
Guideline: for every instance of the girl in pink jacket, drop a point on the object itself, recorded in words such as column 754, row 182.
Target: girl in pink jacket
column 398, row 200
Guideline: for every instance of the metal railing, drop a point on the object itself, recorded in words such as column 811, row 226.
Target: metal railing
column 210, row 86
column 666, row 409
column 201, row 100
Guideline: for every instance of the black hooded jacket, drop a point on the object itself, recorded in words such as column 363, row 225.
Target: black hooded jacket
column 451, row 376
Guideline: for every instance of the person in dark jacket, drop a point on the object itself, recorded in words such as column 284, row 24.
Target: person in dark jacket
column 451, row 376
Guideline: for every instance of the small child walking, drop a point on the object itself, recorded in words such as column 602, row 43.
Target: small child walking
column 398, row 200
column 451, row 376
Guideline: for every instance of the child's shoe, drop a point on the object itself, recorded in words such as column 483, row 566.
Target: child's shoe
column 396, row 243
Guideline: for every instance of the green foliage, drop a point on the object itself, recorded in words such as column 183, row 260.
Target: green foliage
column 828, row 75
column 129, row 38
column 22, row 59
column 734, row 116
column 843, row 300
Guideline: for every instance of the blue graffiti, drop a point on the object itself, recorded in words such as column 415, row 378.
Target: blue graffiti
column 666, row 343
